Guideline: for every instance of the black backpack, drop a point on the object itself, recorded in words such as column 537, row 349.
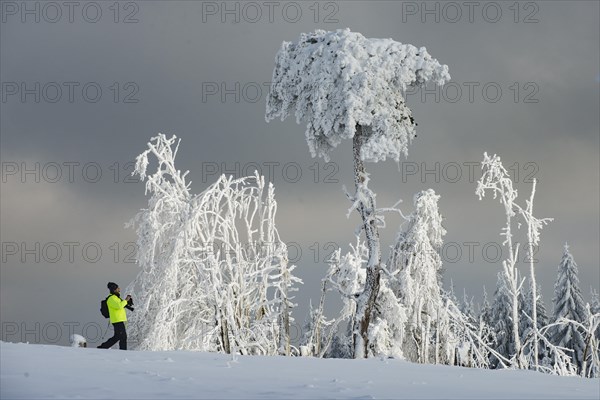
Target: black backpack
column 104, row 308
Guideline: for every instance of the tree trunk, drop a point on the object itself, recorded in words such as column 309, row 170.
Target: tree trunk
column 225, row 336
column 533, row 281
column 512, row 280
column 515, row 316
column 284, row 316
column 365, row 300
column 316, row 336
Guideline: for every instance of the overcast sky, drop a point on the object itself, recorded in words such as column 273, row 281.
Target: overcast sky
column 84, row 88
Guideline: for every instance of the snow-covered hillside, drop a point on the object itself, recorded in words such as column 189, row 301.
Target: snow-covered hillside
column 35, row 371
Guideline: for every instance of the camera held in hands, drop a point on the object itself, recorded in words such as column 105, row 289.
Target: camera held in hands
column 129, row 305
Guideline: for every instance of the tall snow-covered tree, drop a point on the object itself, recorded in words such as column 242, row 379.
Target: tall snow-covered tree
column 415, row 263
column 345, row 86
column 495, row 178
column 214, row 271
column 568, row 304
column 534, row 225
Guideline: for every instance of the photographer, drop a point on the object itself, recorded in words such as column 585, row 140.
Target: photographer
column 116, row 309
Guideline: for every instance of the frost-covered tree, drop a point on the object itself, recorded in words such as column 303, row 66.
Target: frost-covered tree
column 214, row 272
column 534, row 226
column 415, row 263
column 485, row 313
column 591, row 354
column 311, row 340
column 565, row 361
column 466, row 342
column 569, row 305
column 495, row 178
column 345, row 275
column 345, row 86
column 595, row 301
column 595, row 307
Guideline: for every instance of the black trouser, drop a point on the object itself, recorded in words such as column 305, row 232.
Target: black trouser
column 120, row 336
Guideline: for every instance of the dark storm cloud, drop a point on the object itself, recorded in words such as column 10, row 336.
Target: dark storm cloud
column 173, row 58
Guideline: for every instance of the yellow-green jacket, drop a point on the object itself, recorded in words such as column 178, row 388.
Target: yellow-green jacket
column 116, row 309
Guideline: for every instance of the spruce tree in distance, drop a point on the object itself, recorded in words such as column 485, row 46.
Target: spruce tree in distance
column 568, row 304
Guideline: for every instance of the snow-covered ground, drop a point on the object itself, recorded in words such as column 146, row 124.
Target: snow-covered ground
column 35, row 371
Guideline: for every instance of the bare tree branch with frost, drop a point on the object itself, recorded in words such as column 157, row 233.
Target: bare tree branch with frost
column 214, row 271
column 496, row 179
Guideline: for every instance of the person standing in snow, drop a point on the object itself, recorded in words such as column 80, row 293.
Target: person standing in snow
column 116, row 310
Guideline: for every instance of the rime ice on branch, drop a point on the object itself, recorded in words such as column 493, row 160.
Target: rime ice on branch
column 214, row 272
column 336, row 81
